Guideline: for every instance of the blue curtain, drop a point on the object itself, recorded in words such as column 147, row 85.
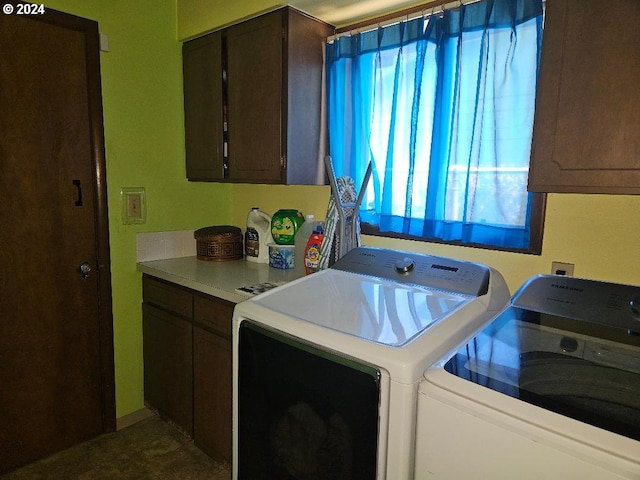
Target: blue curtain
column 443, row 108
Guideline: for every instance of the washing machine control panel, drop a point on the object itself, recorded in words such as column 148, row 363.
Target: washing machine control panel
column 417, row 269
column 592, row 301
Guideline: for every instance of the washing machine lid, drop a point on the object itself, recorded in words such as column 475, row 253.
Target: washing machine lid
column 550, row 349
column 381, row 295
column 368, row 308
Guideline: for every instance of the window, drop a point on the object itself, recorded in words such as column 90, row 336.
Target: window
column 443, row 109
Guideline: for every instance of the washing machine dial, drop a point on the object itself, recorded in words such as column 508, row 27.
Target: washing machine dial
column 406, row 265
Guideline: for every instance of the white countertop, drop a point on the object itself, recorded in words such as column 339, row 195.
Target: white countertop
column 220, row 279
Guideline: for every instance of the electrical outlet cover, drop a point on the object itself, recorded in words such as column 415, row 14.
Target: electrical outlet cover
column 562, row 268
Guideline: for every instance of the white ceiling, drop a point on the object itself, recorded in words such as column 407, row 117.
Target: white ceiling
column 345, row 12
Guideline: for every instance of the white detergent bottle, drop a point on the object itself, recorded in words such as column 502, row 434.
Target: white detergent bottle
column 257, row 237
column 300, row 242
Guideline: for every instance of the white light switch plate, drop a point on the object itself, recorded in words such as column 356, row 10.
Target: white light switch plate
column 134, row 205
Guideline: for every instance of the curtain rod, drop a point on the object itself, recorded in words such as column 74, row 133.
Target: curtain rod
column 426, row 10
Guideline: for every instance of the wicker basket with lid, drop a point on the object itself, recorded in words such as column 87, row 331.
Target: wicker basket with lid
column 219, row 243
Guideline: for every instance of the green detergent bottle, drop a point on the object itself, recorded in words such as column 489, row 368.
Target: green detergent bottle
column 284, row 225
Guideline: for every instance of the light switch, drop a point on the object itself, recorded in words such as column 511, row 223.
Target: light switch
column 133, row 205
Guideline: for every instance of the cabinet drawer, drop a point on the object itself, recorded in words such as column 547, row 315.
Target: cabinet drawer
column 214, row 314
column 167, row 296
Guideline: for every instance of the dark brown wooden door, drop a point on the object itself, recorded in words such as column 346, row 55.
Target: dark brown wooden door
column 56, row 350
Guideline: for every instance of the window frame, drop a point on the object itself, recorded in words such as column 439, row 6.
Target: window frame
column 538, row 200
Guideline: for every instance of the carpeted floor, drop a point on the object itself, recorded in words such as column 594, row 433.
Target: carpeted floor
column 149, row 449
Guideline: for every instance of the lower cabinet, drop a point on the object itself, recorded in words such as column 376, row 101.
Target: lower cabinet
column 212, row 371
column 188, row 363
column 212, row 404
column 168, row 374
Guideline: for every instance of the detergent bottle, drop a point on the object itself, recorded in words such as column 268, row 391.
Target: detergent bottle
column 257, row 236
column 284, row 225
column 312, row 251
column 300, row 242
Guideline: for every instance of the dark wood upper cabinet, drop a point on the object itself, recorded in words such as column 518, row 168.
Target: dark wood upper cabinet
column 267, row 114
column 587, row 122
column 203, row 107
column 255, row 99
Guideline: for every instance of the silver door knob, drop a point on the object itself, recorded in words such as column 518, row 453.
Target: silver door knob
column 85, row 269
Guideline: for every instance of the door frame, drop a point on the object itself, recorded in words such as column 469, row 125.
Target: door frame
column 94, row 89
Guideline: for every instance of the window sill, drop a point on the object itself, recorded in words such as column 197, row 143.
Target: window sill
column 537, row 228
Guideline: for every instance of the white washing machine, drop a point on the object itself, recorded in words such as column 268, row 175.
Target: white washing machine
column 326, row 368
column 549, row 389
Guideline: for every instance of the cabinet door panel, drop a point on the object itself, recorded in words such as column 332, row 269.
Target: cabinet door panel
column 213, row 314
column 212, row 394
column 588, row 107
column 254, row 72
column 203, row 110
column 168, row 372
